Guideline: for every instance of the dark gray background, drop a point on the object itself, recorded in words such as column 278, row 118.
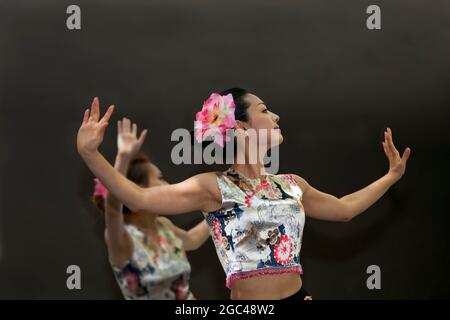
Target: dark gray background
column 335, row 84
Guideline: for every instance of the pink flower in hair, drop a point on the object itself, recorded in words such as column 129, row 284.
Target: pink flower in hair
column 100, row 189
column 215, row 118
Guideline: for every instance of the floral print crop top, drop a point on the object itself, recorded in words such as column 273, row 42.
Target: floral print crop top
column 258, row 229
column 155, row 274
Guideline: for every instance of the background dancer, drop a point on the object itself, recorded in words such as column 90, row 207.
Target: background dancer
column 147, row 252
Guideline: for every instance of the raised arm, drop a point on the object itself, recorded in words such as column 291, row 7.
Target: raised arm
column 120, row 246
column 199, row 192
column 324, row 206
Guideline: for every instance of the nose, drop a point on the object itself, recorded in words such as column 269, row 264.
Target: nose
column 276, row 118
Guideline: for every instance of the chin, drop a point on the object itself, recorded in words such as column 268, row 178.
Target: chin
column 278, row 140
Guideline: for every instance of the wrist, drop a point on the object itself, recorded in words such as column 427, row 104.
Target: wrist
column 392, row 177
column 123, row 156
column 88, row 154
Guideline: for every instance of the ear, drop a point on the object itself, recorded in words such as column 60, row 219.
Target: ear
column 241, row 125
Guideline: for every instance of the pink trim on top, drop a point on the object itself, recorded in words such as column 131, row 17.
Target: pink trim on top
column 260, row 272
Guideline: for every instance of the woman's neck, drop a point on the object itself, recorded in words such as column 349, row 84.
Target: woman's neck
column 252, row 171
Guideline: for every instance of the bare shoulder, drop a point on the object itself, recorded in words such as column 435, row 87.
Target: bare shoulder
column 208, row 183
column 206, row 176
column 199, row 182
column 301, row 182
column 207, row 180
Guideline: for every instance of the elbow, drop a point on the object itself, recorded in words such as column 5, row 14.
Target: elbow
column 194, row 241
column 347, row 213
column 195, row 245
column 346, row 218
column 192, row 244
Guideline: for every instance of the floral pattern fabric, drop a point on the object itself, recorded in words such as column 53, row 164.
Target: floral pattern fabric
column 155, row 274
column 259, row 227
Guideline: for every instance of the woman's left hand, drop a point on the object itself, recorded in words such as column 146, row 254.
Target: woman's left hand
column 397, row 165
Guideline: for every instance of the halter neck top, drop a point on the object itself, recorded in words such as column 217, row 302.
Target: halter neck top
column 258, row 229
column 156, row 274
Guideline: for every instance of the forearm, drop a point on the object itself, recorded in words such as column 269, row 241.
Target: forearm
column 121, row 165
column 126, row 191
column 193, row 238
column 113, row 207
column 199, row 234
column 122, row 162
column 360, row 200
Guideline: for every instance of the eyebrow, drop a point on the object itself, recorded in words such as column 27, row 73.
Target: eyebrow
column 261, row 103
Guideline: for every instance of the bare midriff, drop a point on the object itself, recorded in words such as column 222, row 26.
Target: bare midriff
column 266, row 287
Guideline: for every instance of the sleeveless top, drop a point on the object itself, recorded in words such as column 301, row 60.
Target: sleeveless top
column 161, row 274
column 258, row 229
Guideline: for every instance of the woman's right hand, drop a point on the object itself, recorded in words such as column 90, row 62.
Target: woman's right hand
column 90, row 135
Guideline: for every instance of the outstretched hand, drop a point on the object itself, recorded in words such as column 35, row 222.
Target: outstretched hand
column 128, row 144
column 397, row 164
column 91, row 133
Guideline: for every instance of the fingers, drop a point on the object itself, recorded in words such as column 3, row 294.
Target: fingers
column 102, row 128
column 390, row 143
column 119, row 127
column 107, row 114
column 95, row 110
column 142, row 136
column 385, row 148
column 126, row 125
column 86, row 116
column 406, row 155
column 103, row 125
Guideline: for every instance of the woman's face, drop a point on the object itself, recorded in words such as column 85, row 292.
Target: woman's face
column 259, row 117
column 155, row 177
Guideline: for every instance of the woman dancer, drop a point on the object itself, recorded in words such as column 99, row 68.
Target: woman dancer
column 256, row 218
column 146, row 252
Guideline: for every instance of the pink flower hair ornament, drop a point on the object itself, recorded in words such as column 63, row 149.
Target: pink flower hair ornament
column 100, row 189
column 215, row 118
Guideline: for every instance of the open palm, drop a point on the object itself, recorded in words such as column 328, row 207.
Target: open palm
column 397, row 164
column 92, row 130
column 127, row 141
